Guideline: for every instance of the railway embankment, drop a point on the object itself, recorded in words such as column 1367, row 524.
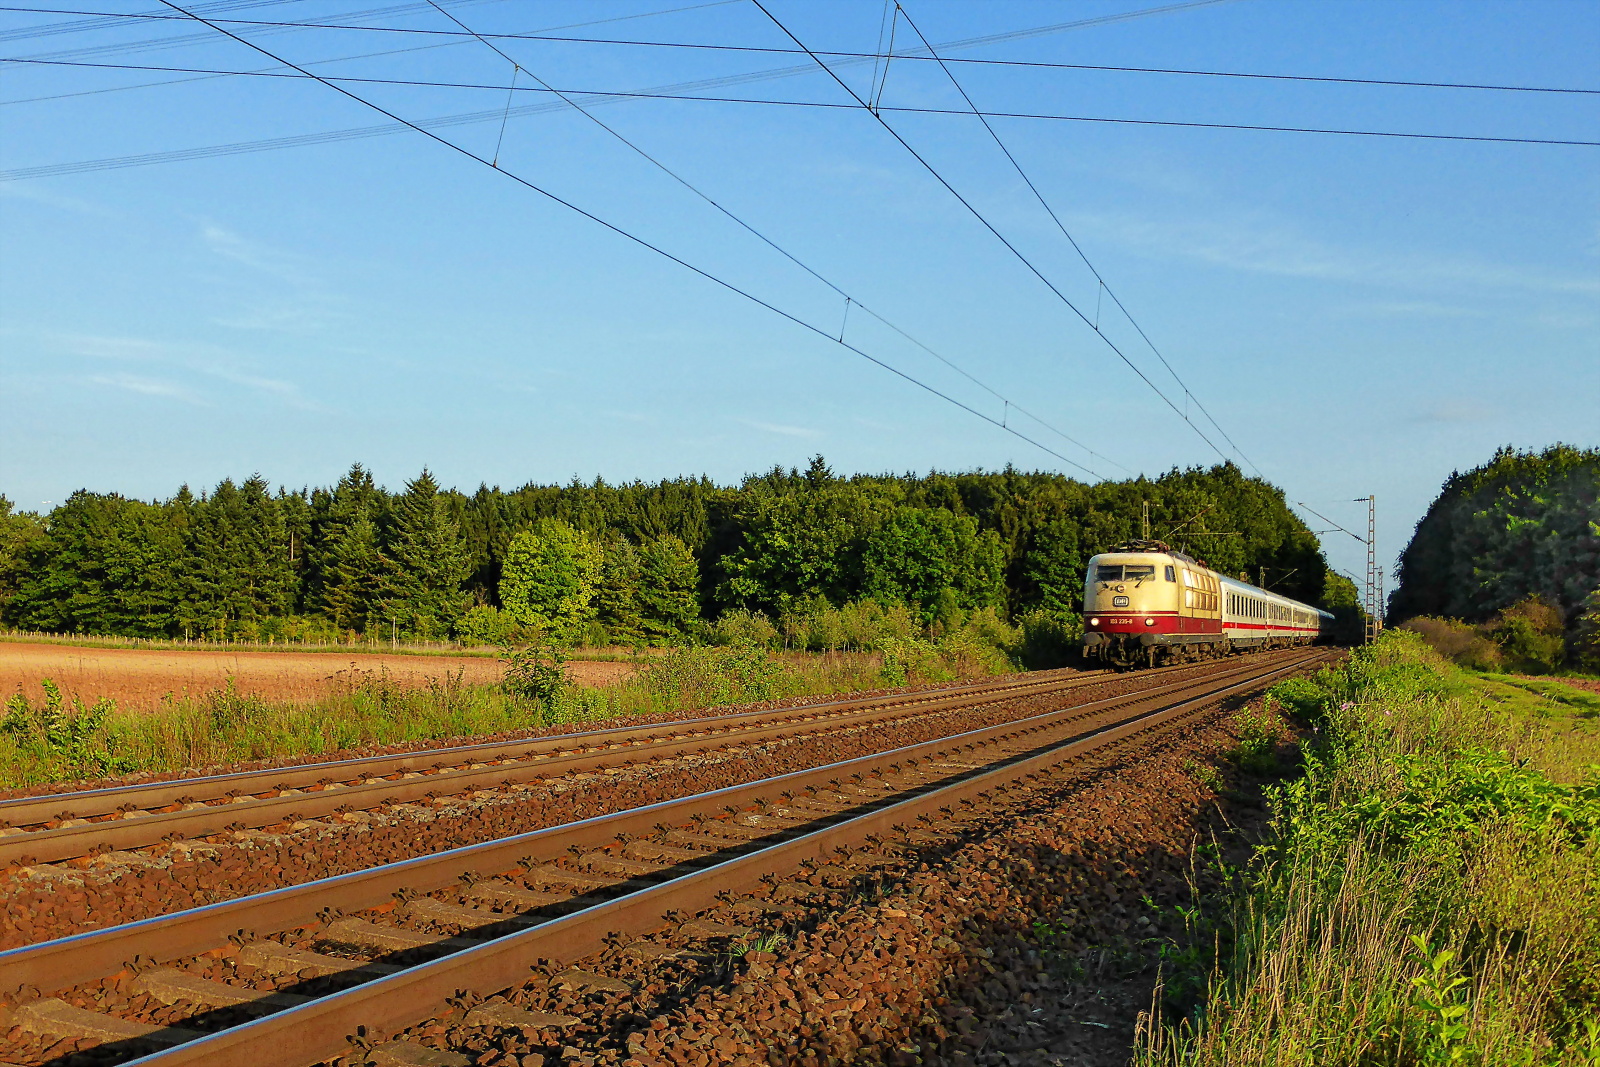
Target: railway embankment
column 1430, row 891
column 990, row 893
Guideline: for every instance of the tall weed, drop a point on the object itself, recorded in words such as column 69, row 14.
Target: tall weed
column 1429, row 894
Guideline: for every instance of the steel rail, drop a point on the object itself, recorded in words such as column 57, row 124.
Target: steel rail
column 543, row 758
column 319, row 1030
column 73, row 960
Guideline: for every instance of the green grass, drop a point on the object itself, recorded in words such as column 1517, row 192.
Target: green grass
column 1566, row 699
column 59, row 739
column 1430, row 893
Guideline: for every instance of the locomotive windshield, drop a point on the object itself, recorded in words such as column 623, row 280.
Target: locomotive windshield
column 1120, row 572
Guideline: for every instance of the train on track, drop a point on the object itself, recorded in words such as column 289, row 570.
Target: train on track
column 1145, row 604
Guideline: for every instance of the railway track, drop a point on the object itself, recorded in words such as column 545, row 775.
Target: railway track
column 286, row 977
column 63, row 826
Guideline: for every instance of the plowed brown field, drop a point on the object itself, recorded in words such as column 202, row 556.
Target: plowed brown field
column 141, row 678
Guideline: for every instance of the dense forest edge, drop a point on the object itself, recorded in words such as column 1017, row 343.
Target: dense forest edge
column 1503, row 571
column 796, row 558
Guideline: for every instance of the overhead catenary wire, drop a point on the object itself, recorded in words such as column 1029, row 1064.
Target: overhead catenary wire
column 940, row 178
column 640, row 241
column 908, row 55
column 450, row 42
column 1329, row 521
column 780, row 72
column 1102, row 287
column 336, row 23
column 849, row 298
column 664, row 93
column 144, row 159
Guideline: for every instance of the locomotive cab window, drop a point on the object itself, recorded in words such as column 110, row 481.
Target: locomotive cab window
column 1172, row 574
column 1131, row 572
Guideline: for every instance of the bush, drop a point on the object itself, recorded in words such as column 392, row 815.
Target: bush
column 71, row 736
column 488, row 625
column 1529, row 633
column 1458, row 642
column 741, row 627
column 535, row 672
column 1526, row 637
column 688, row 678
column 1584, row 648
column 1049, row 639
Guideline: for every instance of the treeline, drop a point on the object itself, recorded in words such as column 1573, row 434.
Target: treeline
column 1523, row 528
column 641, row 562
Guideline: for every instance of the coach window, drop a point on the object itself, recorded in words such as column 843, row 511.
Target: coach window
column 1172, row 574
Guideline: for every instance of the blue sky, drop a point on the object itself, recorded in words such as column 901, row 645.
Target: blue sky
column 1361, row 315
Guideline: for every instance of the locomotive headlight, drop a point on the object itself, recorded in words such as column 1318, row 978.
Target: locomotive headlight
column 1094, row 622
column 1149, row 622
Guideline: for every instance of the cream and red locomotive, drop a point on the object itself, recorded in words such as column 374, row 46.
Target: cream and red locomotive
column 1144, row 604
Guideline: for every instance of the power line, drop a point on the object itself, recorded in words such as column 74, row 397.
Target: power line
column 664, row 94
column 780, row 72
column 770, row 243
column 1187, row 392
column 998, row 235
column 1329, row 521
column 467, row 118
column 451, row 42
column 913, row 55
column 640, row 241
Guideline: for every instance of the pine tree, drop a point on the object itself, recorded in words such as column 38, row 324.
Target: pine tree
column 345, row 557
column 617, row 596
column 236, row 571
column 352, row 566
column 669, row 578
column 425, row 562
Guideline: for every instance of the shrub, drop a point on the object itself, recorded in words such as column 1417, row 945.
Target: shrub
column 535, row 672
column 1529, row 633
column 1048, row 639
column 742, row 627
column 71, row 736
column 702, row 677
column 488, row 625
column 1458, row 642
column 1584, row 648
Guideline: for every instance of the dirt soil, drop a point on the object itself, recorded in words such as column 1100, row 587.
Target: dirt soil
column 142, row 678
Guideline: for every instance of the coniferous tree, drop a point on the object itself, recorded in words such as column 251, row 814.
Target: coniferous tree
column 351, row 576
column 669, row 579
column 345, row 557
column 425, row 562
column 617, row 593
column 237, row 571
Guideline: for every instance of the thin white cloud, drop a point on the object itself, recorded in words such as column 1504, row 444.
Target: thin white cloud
column 1424, row 309
column 781, row 429
column 25, row 191
column 1250, row 241
column 205, row 360
column 262, row 257
column 134, row 383
column 99, row 347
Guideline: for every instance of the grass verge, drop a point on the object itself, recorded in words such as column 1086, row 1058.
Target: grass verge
column 57, row 739
column 1429, row 893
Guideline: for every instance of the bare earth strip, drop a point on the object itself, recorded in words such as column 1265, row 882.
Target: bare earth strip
column 141, row 678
